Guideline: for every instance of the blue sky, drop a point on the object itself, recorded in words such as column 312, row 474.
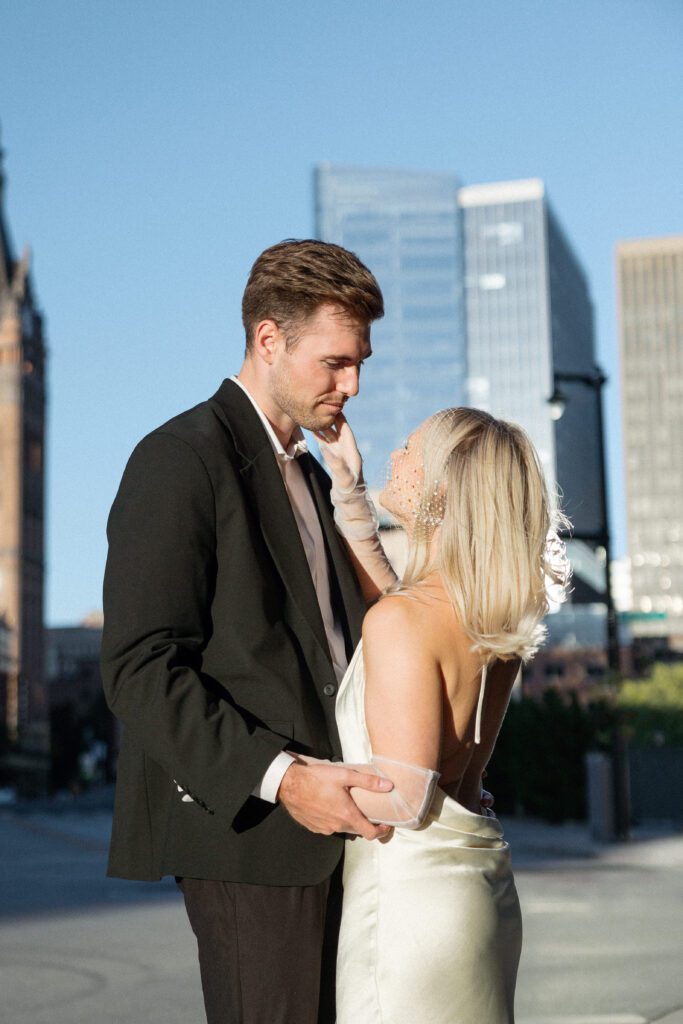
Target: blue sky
column 153, row 149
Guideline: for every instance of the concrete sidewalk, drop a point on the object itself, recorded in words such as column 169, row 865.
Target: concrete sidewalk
column 87, row 819
column 602, row 930
column 535, row 842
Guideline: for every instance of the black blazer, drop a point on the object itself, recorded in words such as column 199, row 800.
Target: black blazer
column 214, row 653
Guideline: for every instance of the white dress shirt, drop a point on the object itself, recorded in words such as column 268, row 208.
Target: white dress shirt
column 310, row 531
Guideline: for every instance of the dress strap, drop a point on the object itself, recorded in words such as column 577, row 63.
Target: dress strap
column 480, row 704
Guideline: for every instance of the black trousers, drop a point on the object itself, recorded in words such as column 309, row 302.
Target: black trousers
column 267, row 953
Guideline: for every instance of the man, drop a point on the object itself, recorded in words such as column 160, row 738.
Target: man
column 231, row 609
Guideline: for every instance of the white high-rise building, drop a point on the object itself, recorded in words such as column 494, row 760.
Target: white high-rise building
column 650, row 286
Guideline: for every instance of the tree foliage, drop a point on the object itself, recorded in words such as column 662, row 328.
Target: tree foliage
column 538, row 766
column 652, row 708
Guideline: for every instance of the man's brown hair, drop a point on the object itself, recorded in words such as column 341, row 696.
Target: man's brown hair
column 290, row 280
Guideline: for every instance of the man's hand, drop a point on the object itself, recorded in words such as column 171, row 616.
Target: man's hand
column 317, row 796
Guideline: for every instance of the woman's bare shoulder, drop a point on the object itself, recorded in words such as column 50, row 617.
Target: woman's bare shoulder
column 394, row 612
column 405, row 633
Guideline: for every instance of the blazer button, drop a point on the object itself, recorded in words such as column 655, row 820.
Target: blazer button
column 329, row 690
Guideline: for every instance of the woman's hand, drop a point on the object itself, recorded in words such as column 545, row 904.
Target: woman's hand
column 355, row 515
column 341, row 455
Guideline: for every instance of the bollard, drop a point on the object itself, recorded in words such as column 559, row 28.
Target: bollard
column 600, row 789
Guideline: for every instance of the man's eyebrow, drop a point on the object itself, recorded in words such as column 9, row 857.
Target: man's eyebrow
column 347, row 359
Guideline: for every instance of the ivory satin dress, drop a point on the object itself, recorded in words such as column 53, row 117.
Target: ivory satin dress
column 431, row 928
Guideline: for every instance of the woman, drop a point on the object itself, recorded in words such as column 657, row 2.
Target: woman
column 431, row 928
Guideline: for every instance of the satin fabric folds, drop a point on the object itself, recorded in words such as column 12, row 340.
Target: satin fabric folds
column 431, row 927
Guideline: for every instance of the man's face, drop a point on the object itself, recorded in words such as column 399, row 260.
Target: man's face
column 311, row 382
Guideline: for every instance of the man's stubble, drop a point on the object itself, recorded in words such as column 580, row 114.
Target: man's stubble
column 284, row 393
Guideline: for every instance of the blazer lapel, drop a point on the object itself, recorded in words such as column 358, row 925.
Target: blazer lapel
column 272, row 508
column 352, row 598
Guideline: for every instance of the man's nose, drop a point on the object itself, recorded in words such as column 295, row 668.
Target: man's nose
column 348, row 381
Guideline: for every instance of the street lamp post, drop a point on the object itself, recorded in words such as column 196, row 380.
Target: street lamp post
column 602, row 537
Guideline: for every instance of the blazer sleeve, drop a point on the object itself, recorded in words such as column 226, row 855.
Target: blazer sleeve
column 158, row 589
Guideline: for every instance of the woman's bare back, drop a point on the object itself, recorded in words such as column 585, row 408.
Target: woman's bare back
column 423, row 687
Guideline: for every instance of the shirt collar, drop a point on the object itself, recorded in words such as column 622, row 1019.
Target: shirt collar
column 297, row 444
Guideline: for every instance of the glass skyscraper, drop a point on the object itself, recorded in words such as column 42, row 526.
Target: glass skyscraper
column 405, row 226
column 486, row 305
column 529, row 321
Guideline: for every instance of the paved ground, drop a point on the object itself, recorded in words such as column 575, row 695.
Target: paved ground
column 604, row 937
column 603, row 929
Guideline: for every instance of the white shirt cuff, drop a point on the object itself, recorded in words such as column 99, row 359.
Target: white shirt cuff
column 270, row 783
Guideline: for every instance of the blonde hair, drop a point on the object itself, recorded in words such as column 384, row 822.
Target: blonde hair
column 484, row 487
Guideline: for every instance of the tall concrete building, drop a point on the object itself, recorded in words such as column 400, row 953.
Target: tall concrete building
column 650, row 296
column 530, row 334
column 406, row 227
column 72, row 662
column 23, row 699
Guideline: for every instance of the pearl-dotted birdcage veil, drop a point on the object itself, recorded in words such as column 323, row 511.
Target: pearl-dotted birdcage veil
column 420, row 501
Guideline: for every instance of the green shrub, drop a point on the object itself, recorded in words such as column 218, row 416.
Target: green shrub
column 652, row 708
column 538, row 766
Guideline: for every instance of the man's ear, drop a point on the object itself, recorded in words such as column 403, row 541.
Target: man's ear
column 267, row 339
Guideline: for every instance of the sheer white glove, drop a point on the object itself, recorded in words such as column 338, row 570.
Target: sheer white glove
column 340, row 451
column 354, row 513
column 406, row 805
